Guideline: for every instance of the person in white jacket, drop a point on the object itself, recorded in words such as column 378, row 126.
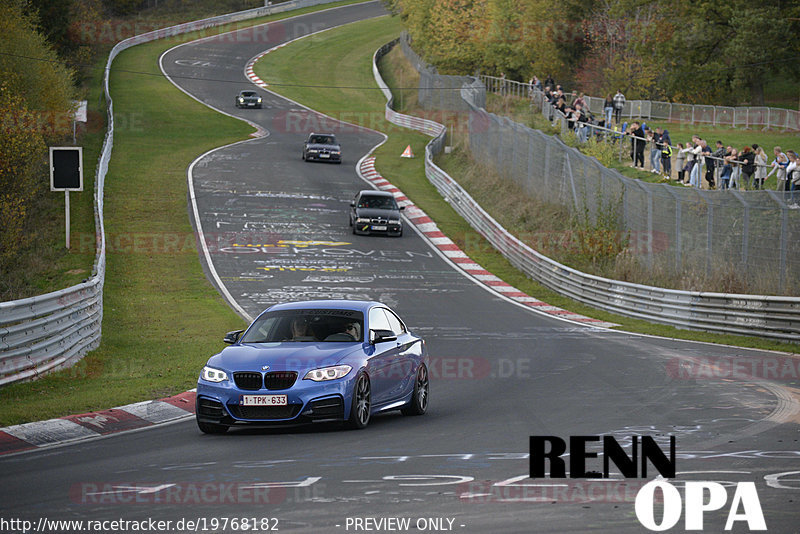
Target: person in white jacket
column 779, row 165
column 793, row 175
column 694, row 178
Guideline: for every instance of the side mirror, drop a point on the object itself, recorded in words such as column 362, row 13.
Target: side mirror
column 352, row 204
column 232, row 337
column 402, row 208
column 380, row 336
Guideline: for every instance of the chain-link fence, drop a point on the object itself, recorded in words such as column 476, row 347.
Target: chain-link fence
column 679, row 230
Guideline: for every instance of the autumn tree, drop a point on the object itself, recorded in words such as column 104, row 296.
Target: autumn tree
column 724, row 52
column 35, row 106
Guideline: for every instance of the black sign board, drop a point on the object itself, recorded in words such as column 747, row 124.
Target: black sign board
column 66, row 168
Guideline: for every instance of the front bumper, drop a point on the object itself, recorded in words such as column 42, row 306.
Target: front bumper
column 307, row 402
column 323, row 156
column 388, row 228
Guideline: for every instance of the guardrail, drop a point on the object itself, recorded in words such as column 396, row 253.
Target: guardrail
column 758, row 315
column 45, row 333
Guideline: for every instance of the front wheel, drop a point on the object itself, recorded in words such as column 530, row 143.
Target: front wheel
column 211, row 428
column 360, row 406
column 419, row 399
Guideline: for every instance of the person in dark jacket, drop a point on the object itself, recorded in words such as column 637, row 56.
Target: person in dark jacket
column 748, row 159
column 710, row 166
column 638, row 142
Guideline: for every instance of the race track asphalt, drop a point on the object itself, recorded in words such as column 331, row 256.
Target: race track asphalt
column 500, row 373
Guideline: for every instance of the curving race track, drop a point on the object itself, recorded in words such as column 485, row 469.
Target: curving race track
column 501, row 373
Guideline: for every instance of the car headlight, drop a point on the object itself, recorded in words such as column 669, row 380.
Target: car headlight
column 312, row 151
column 363, row 219
column 241, row 99
column 327, row 373
column 213, row 375
column 394, row 221
column 259, row 99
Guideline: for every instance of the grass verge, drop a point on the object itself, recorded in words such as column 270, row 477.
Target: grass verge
column 162, row 318
column 343, row 56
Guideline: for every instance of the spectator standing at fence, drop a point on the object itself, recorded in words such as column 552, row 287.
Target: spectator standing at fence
column 637, row 143
column 694, row 174
column 619, row 105
column 680, row 161
column 549, row 81
column 748, row 158
column 666, row 158
column 761, row 168
column 655, row 150
column 726, row 168
column 690, row 161
column 608, row 109
column 581, row 124
column 719, row 156
column 710, row 165
column 779, row 165
column 793, row 177
column 736, row 169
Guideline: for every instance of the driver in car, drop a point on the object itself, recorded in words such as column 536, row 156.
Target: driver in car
column 300, row 330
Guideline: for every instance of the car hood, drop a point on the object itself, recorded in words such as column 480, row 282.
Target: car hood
column 373, row 213
column 319, row 146
column 291, row 356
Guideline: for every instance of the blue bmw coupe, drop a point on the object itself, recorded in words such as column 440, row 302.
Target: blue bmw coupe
column 326, row 360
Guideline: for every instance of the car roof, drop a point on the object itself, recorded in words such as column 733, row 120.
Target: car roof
column 246, row 91
column 353, row 305
column 321, row 133
column 374, row 193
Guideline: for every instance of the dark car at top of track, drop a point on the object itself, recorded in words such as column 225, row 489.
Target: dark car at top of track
column 376, row 212
column 248, row 99
column 314, row 361
column 322, row 147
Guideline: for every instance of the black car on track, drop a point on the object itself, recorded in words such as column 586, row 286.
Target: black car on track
column 322, row 147
column 376, row 212
column 248, row 99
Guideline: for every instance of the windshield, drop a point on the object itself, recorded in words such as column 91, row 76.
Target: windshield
column 377, row 203
column 322, row 140
column 247, row 93
column 306, row 326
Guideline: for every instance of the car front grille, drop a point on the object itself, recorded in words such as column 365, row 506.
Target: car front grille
column 265, row 412
column 379, row 221
column 248, row 380
column 280, row 379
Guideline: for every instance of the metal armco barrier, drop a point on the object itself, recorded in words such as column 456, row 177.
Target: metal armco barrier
column 45, row 333
column 755, row 315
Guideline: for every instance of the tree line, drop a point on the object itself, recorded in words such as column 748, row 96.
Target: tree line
column 698, row 51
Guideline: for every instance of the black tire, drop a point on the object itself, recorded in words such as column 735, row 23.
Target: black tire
column 211, row 428
column 419, row 399
column 361, row 404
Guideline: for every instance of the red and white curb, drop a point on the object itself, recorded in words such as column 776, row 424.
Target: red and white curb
column 449, row 249
column 72, row 428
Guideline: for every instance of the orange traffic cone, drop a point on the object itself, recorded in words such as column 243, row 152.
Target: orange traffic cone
column 407, row 153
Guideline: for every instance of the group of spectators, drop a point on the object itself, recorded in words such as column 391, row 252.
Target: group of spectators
column 723, row 167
